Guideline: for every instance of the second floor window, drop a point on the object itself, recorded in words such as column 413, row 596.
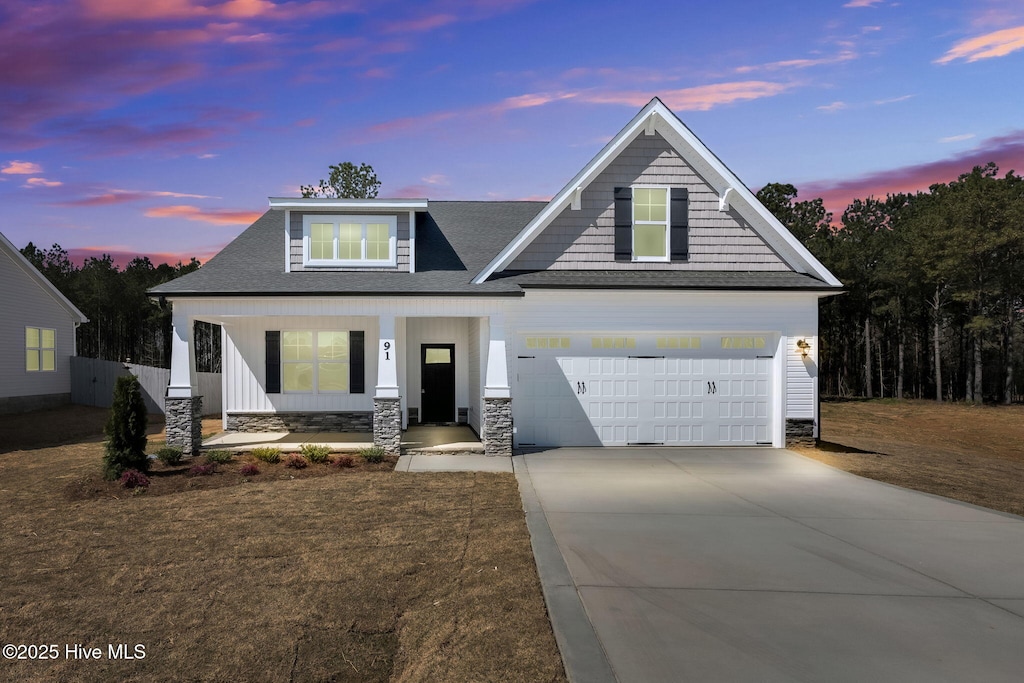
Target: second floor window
column 349, row 240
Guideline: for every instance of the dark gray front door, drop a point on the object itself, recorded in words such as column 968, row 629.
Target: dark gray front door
column 438, row 383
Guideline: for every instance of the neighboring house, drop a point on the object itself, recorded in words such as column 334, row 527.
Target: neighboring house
column 653, row 300
column 37, row 336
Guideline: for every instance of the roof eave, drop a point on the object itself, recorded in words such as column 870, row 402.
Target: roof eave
column 400, row 204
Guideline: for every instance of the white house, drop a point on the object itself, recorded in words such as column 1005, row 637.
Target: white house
column 653, row 300
column 37, row 336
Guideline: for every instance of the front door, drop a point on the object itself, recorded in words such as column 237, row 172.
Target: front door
column 438, row 382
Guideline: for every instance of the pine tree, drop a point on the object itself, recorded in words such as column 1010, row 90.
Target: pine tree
column 126, row 430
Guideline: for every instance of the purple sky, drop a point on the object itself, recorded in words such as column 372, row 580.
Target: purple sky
column 160, row 127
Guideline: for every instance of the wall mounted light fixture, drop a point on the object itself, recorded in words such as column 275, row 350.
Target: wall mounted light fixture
column 804, row 347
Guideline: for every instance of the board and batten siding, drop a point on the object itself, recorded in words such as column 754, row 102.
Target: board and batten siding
column 791, row 315
column 244, row 365
column 296, row 240
column 585, row 239
column 24, row 302
column 474, row 359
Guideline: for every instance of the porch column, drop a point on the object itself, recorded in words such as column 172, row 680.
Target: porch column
column 387, row 404
column 497, row 417
column 183, row 407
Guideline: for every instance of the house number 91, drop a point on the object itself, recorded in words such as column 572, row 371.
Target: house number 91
column 387, row 350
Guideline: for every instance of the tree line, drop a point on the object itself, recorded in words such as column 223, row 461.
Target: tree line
column 934, row 287
column 124, row 323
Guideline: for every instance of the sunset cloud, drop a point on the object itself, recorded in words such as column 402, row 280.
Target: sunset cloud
column 212, row 216
column 844, row 56
column 117, row 196
column 995, row 44
column 862, row 3
column 834, row 107
column 1007, row 152
column 420, row 24
column 42, row 182
column 957, row 138
column 21, row 168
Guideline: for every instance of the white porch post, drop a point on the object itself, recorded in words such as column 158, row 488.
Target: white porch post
column 387, row 404
column 183, row 407
column 497, row 417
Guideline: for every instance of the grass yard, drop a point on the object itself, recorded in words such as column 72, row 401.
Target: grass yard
column 970, row 453
column 350, row 576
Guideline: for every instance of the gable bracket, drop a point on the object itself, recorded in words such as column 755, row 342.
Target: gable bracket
column 649, row 124
column 723, row 201
column 577, row 198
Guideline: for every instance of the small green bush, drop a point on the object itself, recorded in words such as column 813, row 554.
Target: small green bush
column 267, row 454
column 295, row 461
column 316, row 452
column 219, row 457
column 372, row 454
column 170, row 455
column 126, row 430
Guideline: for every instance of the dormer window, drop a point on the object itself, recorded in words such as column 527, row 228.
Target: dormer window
column 349, row 240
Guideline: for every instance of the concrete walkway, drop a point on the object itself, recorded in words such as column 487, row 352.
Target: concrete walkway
column 761, row 565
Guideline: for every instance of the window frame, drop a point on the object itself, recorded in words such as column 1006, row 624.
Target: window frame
column 315, row 362
column 667, row 224
column 39, row 349
column 364, row 220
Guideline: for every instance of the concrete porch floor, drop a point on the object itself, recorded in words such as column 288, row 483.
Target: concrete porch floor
column 417, row 438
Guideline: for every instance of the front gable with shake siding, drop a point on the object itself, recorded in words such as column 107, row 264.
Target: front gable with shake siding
column 653, row 300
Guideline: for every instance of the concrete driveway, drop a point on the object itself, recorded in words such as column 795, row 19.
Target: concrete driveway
column 762, row 565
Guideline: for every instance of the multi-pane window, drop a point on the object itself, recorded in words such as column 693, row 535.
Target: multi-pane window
column 650, row 223
column 350, row 240
column 40, row 349
column 314, row 361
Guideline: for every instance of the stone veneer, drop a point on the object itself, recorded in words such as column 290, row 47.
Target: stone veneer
column 799, row 432
column 497, row 426
column 350, row 421
column 387, row 424
column 183, row 418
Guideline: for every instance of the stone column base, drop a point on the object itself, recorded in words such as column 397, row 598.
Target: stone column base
column 387, row 424
column 183, row 418
column 800, row 432
column 497, row 427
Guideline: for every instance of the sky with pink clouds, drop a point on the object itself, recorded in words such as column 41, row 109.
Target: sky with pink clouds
column 160, row 127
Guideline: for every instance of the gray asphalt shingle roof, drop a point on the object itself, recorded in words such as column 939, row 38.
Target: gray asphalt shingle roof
column 454, row 241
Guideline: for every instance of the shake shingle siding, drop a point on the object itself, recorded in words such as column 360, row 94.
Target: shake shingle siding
column 403, row 241
column 585, row 239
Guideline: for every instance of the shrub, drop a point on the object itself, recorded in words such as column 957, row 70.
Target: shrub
column 202, row 470
column 126, row 430
column 372, row 454
column 219, row 457
column 316, row 453
column 267, row 454
column 249, row 469
column 170, row 455
column 344, row 461
column 133, row 479
column 295, row 461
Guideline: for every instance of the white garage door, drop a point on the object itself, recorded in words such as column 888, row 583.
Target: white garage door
column 620, row 399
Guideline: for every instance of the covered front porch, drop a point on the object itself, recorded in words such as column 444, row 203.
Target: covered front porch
column 349, row 373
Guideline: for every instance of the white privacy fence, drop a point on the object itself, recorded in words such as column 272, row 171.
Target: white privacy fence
column 92, row 384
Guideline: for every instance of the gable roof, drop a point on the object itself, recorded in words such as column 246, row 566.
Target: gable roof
column 658, row 117
column 454, row 240
column 25, row 265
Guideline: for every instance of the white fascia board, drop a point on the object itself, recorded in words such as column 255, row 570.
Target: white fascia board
column 704, row 162
column 565, row 196
column 321, row 203
column 40, row 279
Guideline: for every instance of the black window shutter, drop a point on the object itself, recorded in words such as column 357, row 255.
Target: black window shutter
column 357, row 362
column 273, row 362
column 680, row 221
column 623, row 224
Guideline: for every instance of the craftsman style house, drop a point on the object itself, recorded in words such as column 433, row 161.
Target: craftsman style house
column 653, row 300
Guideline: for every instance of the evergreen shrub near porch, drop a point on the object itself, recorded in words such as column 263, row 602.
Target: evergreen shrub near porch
column 126, row 430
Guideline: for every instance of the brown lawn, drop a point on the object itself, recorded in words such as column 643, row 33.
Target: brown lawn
column 350, row 575
column 970, row 453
